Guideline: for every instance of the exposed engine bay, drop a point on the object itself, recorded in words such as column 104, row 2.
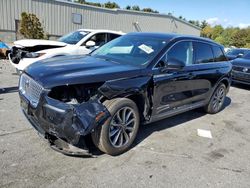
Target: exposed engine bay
column 74, row 94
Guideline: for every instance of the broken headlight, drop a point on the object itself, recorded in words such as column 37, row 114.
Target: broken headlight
column 33, row 55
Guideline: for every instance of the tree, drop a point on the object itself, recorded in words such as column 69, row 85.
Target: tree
column 217, row 31
column 207, row 32
column 203, row 24
column 111, row 5
column 93, row 4
column 227, row 36
column 182, row 18
column 239, row 38
column 80, row 1
column 220, row 39
column 136, row 8
column 147, row 10
column 248, row 38
column 128, row 7
column 195, row 22
column 31, row 27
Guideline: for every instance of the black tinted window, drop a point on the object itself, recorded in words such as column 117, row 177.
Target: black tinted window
column 99, row 39
column 182, row 51
column 203, row 53
column 218, row 54
column 113, row 36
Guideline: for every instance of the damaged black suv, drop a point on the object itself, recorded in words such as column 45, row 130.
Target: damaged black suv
column 135, row 79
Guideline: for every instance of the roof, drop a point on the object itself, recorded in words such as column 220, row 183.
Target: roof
column 172, row 36
column 101, row 30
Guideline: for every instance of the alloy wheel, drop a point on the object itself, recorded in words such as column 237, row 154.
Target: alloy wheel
column 218, row 99
column 122, row 127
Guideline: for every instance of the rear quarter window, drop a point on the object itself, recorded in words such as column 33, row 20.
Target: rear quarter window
column 203, row 53
column 218, row 54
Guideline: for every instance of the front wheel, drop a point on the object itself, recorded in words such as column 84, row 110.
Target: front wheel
column 217, row 100
column 119, row 131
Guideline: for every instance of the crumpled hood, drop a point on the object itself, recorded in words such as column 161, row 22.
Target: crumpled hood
column 36, row 42
column 241, row 62
column 79, row 70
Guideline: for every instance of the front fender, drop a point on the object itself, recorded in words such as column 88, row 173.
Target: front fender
column 141, row 87
column 124, row 87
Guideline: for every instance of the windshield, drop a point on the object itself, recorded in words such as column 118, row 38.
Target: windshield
column 74, row 37
column 236, row 52
column 131, row 49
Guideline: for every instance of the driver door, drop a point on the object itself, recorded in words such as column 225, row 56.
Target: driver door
column 173, row 89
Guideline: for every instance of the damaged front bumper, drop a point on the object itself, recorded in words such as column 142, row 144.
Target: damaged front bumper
column 67, row 122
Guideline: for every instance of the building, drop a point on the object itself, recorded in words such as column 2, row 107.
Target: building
column 60, row 17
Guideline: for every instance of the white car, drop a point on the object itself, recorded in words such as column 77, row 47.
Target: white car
column 83, row 41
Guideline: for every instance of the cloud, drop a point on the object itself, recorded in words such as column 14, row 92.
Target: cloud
column 243, row 25
column 216, row 21
column 226, row 23
column 213, row 21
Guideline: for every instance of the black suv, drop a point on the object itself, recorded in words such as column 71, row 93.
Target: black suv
column 135, row 79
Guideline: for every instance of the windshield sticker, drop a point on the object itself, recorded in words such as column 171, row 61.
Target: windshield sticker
column 146, row 48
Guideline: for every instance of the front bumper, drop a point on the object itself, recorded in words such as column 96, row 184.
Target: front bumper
column 241, row 77
column 69, row 123
column 22, row 63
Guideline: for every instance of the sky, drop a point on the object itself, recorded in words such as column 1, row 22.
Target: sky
column 234, row 13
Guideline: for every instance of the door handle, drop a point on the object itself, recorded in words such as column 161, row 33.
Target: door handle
column 191, row 75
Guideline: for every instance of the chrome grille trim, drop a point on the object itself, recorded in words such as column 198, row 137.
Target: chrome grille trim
column 30, row 89
column 241, row 69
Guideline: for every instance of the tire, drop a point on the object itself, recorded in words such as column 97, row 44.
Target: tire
column 217, row 100
column 117, row 134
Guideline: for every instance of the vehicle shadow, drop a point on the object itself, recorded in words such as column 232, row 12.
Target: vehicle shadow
column 8, row 90
column 146, row 130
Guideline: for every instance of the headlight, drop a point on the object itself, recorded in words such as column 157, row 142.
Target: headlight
column 33, row 55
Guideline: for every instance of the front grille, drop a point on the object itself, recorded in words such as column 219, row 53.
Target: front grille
column 241, row 69
column 30, row 89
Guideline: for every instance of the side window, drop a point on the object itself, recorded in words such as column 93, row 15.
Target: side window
column 99, row 39
column 218, row 54
column 182, row 51
column 112, row 36
column 203, row 53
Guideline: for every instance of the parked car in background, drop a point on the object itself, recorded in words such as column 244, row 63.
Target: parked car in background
column 234, row 53
column 4, row 49
column 135, row 79
column 241, row 70
column 83, row 41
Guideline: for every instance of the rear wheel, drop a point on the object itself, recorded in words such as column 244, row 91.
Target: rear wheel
column 120, row 130
column 217, row 100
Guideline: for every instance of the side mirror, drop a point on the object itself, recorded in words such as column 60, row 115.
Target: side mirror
column 174, row 64
column 90, row 44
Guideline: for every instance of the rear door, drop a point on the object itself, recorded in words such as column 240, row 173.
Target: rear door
column 211, row 65
column 189, row 87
